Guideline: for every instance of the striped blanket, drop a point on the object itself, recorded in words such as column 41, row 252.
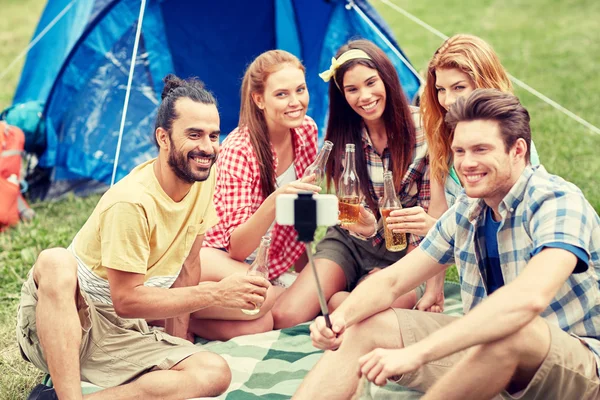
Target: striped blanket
column 271, row 365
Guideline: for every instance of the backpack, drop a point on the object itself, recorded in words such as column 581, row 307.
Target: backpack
column 12, row 204
column 28, row 117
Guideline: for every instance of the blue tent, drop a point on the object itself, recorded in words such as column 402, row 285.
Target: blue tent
column 80, row 68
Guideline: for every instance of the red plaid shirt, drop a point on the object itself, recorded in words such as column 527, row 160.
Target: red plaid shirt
column 238, row 192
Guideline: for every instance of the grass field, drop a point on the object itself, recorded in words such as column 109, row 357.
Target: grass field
column 552, row 45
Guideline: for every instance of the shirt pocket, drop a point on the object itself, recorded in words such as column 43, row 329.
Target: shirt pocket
column 190, row 236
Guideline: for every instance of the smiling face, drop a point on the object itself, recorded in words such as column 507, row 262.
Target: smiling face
column 285, row 99
column 485, row 167
column 451, row 84
column 194, row 140
column 365, row 92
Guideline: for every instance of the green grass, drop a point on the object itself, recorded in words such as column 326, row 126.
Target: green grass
column 552, row 45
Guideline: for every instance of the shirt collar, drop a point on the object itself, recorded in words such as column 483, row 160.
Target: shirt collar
column 512, row 199
column 366, row 139
column 299, row 136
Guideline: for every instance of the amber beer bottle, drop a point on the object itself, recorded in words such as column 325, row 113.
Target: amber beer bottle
column 318, row 166
column 393, row 241
column 260, row 267
column 349, row 189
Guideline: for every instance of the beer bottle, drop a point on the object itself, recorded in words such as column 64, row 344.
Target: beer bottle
column 393, row 241
column 348, row 190
column 318, row 166
column 260, row 267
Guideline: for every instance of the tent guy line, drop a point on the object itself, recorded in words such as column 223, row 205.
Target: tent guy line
column 395, row 7
column 385, row 39
column 517, row 81
column 37, row 39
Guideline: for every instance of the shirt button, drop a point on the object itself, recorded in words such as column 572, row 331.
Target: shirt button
column 512, row 209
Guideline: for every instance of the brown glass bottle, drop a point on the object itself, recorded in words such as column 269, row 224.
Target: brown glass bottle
column 393, row 241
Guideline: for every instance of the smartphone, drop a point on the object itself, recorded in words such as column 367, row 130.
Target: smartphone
column 327, row 209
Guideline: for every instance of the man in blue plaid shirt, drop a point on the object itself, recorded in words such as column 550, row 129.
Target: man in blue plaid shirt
column 527, row 246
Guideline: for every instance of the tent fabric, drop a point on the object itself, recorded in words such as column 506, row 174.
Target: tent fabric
column 87, row 56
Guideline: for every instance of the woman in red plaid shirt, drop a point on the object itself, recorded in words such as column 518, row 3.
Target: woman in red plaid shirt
column 263, row 157
column 367, row 107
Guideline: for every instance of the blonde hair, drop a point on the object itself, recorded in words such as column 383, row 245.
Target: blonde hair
column 476, row 58
column 253, row 117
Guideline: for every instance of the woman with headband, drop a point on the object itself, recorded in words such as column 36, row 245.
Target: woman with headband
column 262, row 158
column 462, row 64
column 367, row 107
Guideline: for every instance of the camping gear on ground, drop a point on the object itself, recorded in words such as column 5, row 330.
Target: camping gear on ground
column 12, row 203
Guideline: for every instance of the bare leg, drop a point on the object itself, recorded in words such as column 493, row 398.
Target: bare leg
column 55, row 274
column 300, row 302
column 200, row 375
column 301, row 263
column 406, row 301
column 214, row 323
column 217, row 323
column 336, row 375
column 488, row 369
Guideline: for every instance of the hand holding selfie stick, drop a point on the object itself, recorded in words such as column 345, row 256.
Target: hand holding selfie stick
column 305, row 222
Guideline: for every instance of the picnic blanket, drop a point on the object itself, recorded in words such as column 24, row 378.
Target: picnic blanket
column 271, row 365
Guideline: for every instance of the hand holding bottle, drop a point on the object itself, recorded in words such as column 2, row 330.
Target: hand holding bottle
column 259, row 269
column 317, row 168
column 394, row 241
column 410, row 220
column 306, row 184
column 365, row 225
column 241, row 291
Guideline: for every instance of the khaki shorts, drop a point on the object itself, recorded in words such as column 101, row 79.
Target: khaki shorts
column 569, row 370
column 113, row 350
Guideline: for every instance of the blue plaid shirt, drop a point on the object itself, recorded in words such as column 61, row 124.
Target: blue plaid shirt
column 540, row 209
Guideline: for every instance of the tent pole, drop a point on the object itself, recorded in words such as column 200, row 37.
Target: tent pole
column 138, row 33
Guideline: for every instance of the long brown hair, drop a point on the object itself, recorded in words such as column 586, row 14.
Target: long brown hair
column 253, row 117
column 474, row 57
column 345, row 125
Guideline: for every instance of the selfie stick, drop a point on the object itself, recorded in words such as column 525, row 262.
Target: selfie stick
column 305, row 222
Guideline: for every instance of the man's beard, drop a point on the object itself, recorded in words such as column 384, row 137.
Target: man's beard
column 181, row 165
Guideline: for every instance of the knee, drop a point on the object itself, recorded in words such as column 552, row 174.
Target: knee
column 248, row 327
column 529, row 341
column 261, row 325
column 285, row 316
column 55, row 270
column 336, row 300
column 212, row 374
column 515, row 347
column 363, row 334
